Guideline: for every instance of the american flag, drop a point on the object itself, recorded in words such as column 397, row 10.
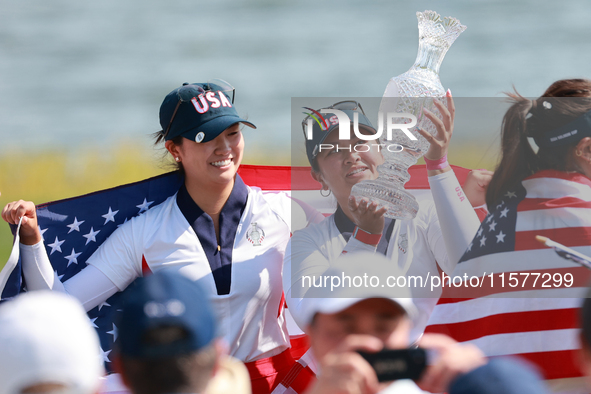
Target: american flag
column 537, row 321
column 74, row 228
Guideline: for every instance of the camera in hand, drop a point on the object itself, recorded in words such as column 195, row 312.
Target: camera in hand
column 397, row 364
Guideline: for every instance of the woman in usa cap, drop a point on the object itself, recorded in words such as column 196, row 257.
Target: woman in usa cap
column 215, row 230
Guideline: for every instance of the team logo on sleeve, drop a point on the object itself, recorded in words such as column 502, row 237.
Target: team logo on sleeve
column 255, row 234
column 403, row 242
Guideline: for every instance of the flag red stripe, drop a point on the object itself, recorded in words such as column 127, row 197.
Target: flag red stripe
column 299, row 178
column 534, row 204
column 278, row 177
column 539, row 279
column 555, row 365
column 509, row 323
column 450, row 300
column 145, row 267
column 568, row 236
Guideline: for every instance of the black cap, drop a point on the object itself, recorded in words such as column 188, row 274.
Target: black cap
column 203, row 112
column 325, row 125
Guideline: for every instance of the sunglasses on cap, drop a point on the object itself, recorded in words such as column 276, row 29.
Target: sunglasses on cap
column 188, row 91
column 350, row 105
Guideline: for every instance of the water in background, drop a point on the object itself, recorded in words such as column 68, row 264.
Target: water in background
column 92, row 73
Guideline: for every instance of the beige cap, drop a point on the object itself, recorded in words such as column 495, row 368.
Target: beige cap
column 353, row 273
column 46, row 337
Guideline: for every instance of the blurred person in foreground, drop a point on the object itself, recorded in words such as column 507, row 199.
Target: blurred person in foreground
column 47, row 345
column 585, row 337
column 376, row 318
column 168, row 340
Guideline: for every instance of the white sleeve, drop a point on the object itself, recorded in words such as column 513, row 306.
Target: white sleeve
column 458, row 221
column 307, row 259
column 90, row 286
column 37, row 269
column 119, row 258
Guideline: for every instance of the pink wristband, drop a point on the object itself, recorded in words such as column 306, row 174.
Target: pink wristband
column 436, row 164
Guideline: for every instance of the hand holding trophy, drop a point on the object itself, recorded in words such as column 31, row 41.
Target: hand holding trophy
column 409, row 94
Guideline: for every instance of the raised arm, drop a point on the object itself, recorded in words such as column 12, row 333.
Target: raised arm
column 90, row 286
column 455, row 213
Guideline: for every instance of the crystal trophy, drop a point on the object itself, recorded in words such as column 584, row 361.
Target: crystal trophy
column 409, row 93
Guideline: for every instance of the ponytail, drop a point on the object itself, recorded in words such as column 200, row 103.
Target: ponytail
column 563, row 101
column 518, row 159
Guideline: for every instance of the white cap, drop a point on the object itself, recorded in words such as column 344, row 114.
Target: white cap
column 231, row 378
column 360, row 267
column 46, row 337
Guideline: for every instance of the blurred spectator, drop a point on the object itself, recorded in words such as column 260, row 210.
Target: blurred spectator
column 47, row 345
column 167, row 340
column 585, row 337
column 380, row 317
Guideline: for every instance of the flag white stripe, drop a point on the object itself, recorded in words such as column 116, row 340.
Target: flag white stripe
column 487, row 306
column 547, row 219
column 528, row 342
column 556, row 188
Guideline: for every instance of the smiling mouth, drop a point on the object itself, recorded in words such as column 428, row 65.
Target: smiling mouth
column 222, row 163
column 357, row 171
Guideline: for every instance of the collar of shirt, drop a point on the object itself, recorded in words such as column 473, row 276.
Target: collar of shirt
column 219, row 255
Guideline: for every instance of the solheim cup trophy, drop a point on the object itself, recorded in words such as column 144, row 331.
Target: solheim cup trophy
column 410, row 93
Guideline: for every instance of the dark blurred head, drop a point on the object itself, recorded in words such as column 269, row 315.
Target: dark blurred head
column 167, row 335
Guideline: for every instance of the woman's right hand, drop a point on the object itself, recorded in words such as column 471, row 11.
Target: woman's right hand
column 12, row 213
column 366, row 215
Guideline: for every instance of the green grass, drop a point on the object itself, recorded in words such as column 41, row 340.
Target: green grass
column 53, row 175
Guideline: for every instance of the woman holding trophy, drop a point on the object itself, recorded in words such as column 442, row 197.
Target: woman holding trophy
column 434, row 240
column 374, row 211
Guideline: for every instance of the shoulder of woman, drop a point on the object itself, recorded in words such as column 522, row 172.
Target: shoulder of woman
column 319, row 232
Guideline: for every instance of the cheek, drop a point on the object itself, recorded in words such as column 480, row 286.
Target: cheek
column 399, row 337
column 192, row 152
column 375, row 157
column 325, row 337
column 329, row 171
column 239, row 149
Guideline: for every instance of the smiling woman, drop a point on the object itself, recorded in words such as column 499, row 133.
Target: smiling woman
column 431, row 242
column 210, row 231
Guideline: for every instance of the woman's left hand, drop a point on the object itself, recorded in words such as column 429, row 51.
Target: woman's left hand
column 445, row 127
column 367, row 215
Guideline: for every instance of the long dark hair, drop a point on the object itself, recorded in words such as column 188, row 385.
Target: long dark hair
column 159, row 139
column 530, row 118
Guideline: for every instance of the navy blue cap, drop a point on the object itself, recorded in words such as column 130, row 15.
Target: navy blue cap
column 203, row 112
column 164, row 299
column 319, row 133
column 568, row 134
